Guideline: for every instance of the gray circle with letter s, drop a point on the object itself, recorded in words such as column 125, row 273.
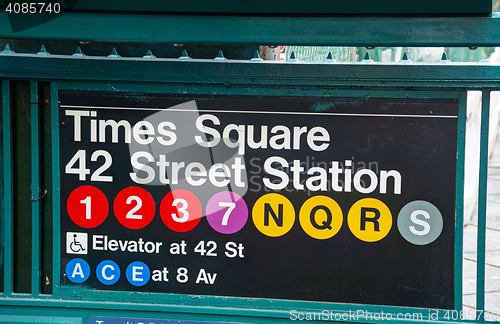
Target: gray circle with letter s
column 420, row 222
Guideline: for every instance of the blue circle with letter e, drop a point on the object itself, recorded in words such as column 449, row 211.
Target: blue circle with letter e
column 77, row 270
column 138, row 273
column 108, row 272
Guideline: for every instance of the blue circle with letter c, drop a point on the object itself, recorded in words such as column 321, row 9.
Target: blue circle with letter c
column 108, row 272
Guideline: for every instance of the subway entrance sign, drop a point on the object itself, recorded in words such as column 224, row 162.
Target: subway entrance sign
column 343, row 200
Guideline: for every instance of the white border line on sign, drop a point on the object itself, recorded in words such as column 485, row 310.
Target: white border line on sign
column 263, row 112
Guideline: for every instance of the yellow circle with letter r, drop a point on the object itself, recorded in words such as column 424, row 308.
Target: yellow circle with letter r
column 273, row 215
column 369, row 219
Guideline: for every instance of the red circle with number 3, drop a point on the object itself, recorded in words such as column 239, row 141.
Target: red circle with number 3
column 180, row 210
column 134, row 207
column 87, row 206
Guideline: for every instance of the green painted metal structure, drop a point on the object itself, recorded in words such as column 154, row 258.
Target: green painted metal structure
column 43, row 76
column 390, row 31
column 31, row 291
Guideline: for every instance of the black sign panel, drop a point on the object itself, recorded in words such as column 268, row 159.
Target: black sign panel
column 321, row 199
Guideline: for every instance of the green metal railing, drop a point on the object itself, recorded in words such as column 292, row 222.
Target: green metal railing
column 266, row 30
column 30, row 219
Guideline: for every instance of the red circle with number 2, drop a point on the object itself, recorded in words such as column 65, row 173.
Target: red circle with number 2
column 87, row 206
column 180, row 210
column 134, row 207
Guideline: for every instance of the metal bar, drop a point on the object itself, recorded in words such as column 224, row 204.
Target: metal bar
column 206, row 72
column 35, row 191
column 2, row 229
column 482, row 201
column 459, row 219
column 259, row 7
column 265, row 30
column 7, row 181
column 46, row 225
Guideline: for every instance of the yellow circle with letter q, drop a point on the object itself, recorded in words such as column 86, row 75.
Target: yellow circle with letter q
column 369, row 219
column 273, row 215
column 321, row 217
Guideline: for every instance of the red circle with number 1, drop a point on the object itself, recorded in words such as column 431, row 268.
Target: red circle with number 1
column 180, row 210
column 134, row 207
column 87, row 206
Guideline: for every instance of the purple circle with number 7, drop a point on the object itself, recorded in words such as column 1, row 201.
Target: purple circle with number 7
column 227, row 212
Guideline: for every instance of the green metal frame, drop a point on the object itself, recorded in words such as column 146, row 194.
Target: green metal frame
column 440, row 80
column 481, row 226
column 266, row 30
column 7, row 188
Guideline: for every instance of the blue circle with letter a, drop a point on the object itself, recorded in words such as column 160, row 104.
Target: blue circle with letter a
column 77, row 270
column 108, row 272
column 138, row 273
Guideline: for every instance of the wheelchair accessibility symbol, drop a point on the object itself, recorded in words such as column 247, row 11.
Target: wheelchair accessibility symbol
column 76, row 243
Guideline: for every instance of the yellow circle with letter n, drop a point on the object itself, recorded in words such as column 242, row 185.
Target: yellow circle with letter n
column 273, row 215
